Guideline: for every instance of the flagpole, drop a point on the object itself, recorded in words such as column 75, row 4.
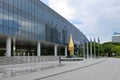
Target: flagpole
column 84, row 51
column 87, row 51
column 98, row 49
column 91, row 47
column 94, row 49
column 98, row 46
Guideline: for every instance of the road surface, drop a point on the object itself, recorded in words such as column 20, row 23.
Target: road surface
column 107, row 70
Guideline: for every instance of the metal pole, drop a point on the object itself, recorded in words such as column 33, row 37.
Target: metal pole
column 84, row 50
column 87, row 51
column 91, row 49
column 98, row 46
column 59, row 59
column 98, row 49
column 94, row 50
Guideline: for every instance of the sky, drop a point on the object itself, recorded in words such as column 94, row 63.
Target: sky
column 95, row 18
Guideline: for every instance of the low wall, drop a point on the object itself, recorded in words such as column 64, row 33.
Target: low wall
column 33, row 59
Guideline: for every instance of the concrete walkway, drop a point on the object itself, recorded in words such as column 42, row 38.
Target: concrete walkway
column 107, row 70
column 68, row 66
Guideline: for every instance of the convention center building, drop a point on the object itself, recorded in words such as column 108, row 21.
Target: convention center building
column 30, row 27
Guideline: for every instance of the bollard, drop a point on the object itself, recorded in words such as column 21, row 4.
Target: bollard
column 59, row 59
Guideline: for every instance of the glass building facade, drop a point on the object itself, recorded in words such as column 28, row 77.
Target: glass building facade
column 33, row 20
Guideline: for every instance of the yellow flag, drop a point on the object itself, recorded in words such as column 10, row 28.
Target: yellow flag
column 71, row 46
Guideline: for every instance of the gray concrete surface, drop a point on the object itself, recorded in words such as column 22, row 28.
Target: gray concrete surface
column 107, row 70
column 69, row 67
column 13, row 70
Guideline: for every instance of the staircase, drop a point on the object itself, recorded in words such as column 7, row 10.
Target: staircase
column 34, row 59
column 26, row 59
column 10, row 60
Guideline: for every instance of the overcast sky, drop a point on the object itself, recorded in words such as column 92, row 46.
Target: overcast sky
column 95, row 18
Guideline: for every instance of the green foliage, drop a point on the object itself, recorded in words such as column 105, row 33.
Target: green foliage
column 101, row 49
column 110, row 48
column 116, row 50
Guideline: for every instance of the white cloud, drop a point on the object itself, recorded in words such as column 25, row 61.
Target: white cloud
column 95, row 18
column 63, row 8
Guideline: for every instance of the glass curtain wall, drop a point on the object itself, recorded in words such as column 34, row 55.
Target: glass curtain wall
column 34, row 20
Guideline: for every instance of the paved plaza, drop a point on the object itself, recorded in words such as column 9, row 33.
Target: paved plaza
column 91, row 69
column 44, row 70
column 107, row 70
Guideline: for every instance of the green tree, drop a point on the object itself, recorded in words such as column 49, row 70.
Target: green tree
column 116, row 50
column 100, row 48
column 108, row 48
column 111, row 47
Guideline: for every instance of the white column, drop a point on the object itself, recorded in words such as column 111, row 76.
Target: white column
column 38, row 49
column 55, row 50
column 14, row 47
column 66, row 51
column 8, row 47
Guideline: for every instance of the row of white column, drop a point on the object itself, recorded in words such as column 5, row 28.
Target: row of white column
column 8, row 48
column 55, row 50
